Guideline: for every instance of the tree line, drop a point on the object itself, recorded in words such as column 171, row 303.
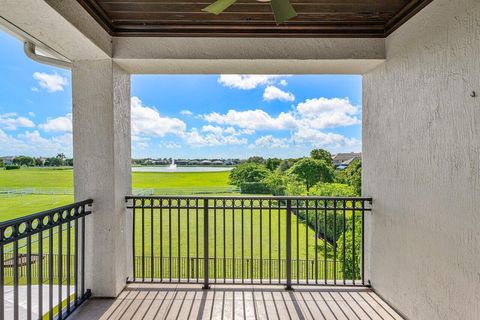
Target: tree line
column 310, row 176
column 60, row 160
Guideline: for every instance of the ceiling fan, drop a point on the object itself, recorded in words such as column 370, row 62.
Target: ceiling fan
column 282, row 9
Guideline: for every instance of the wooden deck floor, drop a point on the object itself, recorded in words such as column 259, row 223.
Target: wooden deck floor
column 165, row 301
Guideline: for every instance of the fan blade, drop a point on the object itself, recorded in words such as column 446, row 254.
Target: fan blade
column 283, row 10
column 219, row 6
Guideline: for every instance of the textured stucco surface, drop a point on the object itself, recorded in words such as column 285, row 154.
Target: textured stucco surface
column 101, row 149
column 421, row 164
column 248, row 55
column 76, row 35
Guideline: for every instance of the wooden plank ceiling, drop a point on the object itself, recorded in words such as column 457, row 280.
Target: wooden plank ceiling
column 250, row 18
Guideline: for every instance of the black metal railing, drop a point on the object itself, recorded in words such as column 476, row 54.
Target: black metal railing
column 42, row 263
column 264, row 240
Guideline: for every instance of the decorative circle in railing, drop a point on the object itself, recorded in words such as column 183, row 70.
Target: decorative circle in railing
column 8, row 232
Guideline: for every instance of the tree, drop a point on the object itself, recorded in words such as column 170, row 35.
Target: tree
column 351, row 175
column 332, row 190
column 351, row 265
column 24, row 161
column 39, row 162
column 321, row 154
column 311, row 171
column 53, row 162
column 248, row 172
column 1, row 163
column 256, row 159
column 286, row 164
column 276, row 182
column 273, row 163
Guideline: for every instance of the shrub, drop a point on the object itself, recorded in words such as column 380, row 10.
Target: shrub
column 11, row 167
column 248, row 172
column 255, row 188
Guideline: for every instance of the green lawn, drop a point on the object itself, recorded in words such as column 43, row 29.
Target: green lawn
column 63, row 178
column 12, row 206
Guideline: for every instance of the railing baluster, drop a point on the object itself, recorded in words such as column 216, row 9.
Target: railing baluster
column 29, row 277
column 243, row 244
column 50, row 269
column 59, row 271
column 179, row 236
column 170, row 239
column 161, row 240
column 15, row 279
column 251, row 241
column 143, row 240
column 280, row 242
column 188, row 239
column 288, row 244
column 343, row 243
column 133, row 241
column 206, row 284
column 224, row 242
column 152, row 259
column 298, row 243
column 2, row 280
column 215, row 241
column 270, row 241
column 354, row 266
column 325, row 265
column 335, row 242
column 363, row 243
column 233, row 241
column 68, row 264
column 316, row 241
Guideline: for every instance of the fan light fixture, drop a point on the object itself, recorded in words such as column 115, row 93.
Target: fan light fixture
column 282, row 9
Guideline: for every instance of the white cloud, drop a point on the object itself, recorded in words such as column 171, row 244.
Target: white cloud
column 271, row 142
column 31, row 114
column 51, row 82
column 34, row 89
column 328, row 113
column 141, row 145
column 246, row 82
column 187, row 113
column 11, row 121
column 196, row 139
column 60, row 124
column 283, row 82
column 318, row 113
column 148, row 121
column 171, row 145
column 273, row 93
column 321, row 139
column 253, row 120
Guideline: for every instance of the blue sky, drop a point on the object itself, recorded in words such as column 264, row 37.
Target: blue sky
column 186, row 116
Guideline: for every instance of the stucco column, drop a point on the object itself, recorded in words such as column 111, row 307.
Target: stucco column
column 102, row 153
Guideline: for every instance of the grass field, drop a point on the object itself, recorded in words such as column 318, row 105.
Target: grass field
column 178, row 227
column 13, row 206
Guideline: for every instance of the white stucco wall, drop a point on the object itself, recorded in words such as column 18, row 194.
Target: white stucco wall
column 421, row 164
column 101, row 149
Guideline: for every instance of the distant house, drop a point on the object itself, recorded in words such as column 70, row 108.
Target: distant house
column 206, row 162
column 7, row 160
column 217, row 163
column 342, row 160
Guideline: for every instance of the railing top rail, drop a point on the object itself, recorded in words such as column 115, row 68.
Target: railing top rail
column 23, row 227
column 8, row 223
column 251, row 197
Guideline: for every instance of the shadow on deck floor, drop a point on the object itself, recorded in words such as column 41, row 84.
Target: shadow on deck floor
column 186, row 301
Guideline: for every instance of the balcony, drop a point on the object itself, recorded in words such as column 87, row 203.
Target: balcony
column 420, row 164
column 206, row 256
